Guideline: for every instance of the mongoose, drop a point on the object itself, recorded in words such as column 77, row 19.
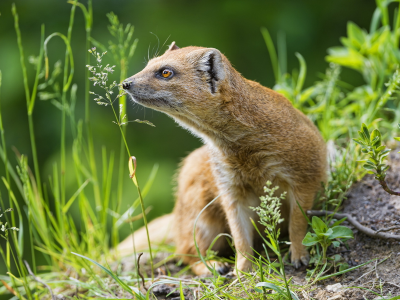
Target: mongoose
column 252, row 134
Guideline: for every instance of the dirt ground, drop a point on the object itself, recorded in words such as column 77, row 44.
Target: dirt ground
column 372, row 207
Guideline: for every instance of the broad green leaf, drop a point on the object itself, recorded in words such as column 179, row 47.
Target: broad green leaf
column 397, row 139
column 355, row 34
column 345, row 57
column 365, row 131
column 380, row 148
column 336, row 244
column 346, row 42
column 375, row 133
column 372, row 162
column 376, row 142
column 384, row 154
column 359, row 141
column 368, row 167
column 363, row 137
column 341, row 232
column 310, row 239
column 318, row 225
column 381, row 41
column 328, row 232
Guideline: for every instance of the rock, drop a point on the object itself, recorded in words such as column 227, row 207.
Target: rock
column 163, row 289
column 334, row 287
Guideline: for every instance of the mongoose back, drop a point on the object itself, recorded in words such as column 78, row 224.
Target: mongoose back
column 251, row 134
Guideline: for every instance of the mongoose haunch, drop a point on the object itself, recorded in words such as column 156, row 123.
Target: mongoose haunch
column 251, row 135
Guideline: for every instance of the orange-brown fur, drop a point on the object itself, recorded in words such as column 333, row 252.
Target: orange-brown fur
column 251, row 133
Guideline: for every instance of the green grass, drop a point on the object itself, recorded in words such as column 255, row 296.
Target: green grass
column 51, row 229
column 46, row 226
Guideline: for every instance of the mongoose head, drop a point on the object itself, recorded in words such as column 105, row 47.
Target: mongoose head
column 184, row 83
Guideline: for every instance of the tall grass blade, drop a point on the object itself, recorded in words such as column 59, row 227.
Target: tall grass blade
column 74, row 196
column 27, row 95
column 345, row 271
column 302, row 74
column 272, row 53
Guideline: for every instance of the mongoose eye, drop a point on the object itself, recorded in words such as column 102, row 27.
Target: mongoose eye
column 166, row 73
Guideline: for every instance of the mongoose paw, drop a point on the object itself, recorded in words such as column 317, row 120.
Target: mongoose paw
column 299, row 258
column 201, row 269
column 305, row 259
column 223, row 269
column 243, row 264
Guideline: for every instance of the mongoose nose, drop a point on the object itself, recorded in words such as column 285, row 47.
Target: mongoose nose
column 126, row 85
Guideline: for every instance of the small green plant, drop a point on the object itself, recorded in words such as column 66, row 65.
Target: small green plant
column 326, row 236
column 371, row 144
column 270, row 217
column 337, row 106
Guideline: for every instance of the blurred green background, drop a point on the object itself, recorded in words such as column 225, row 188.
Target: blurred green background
column 232, row 26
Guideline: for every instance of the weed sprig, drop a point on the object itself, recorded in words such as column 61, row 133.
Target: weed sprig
column 371, row 145
column 270, row 217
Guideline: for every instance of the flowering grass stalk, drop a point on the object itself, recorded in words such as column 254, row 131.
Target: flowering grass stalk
column 270, row 217
column 100, row 79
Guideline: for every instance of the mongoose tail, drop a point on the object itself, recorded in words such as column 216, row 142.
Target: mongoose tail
column 160, row 231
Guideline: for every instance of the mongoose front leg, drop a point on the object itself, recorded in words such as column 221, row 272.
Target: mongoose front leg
column 238, row 214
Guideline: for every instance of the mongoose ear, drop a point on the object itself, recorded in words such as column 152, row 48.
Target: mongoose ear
column 173, row 46
column 209, row 61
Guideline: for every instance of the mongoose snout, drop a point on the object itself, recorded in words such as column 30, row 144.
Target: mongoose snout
column 252, row 135
column 126, row 85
